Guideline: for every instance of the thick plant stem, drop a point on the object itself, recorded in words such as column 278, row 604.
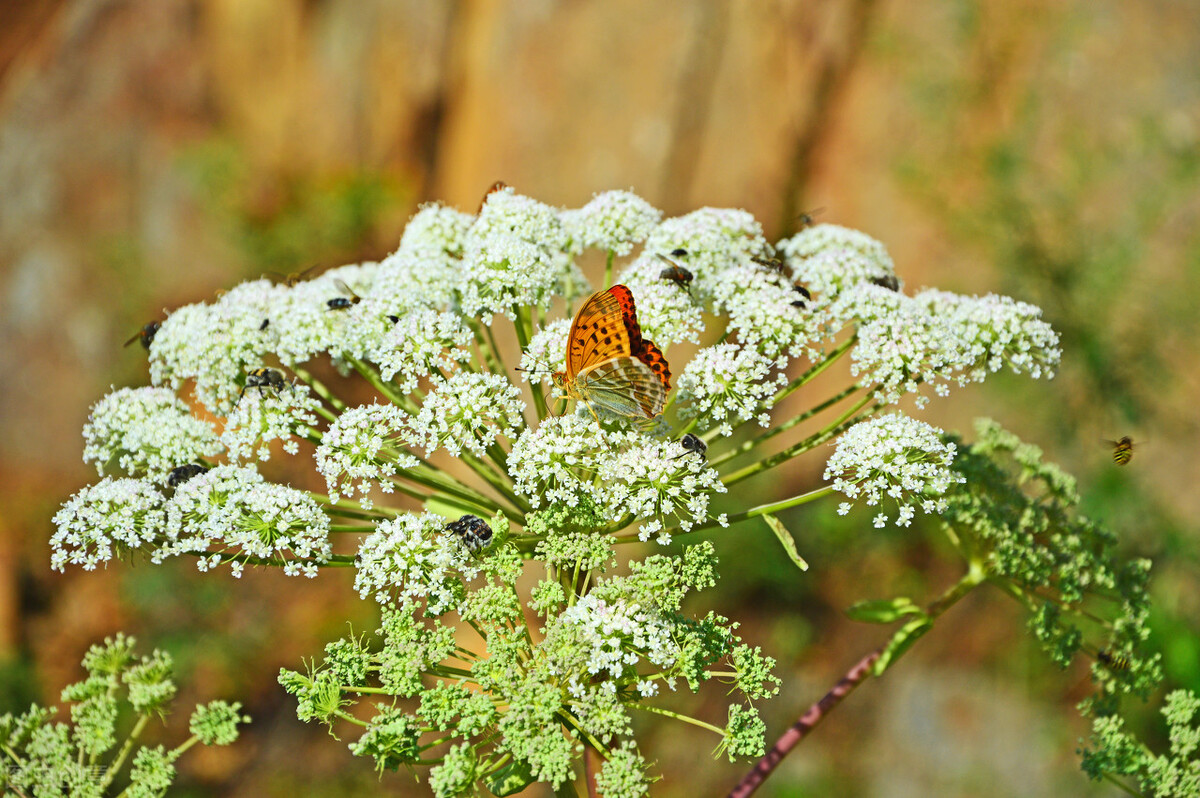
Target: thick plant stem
column 117, row 763
column 807, row 722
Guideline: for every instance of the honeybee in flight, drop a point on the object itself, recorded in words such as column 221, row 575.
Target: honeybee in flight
column 675, row 273
column 343, row 302
column 1122, row 450
column 146, row 334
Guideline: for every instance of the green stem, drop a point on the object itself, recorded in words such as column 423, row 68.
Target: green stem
column 814, row 372
column 1111, row 779
column 523, row 335
column 608, row 270
column 803, row 446
column 737, row 518
column 783, row 427
column 319, row 388
column 117, row 763
column 677, row 716
column 485, row 349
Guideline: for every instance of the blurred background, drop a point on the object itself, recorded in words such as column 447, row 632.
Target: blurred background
column 155, row 151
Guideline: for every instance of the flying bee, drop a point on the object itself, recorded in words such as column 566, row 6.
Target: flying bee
column 263, row 378
column 291, row 279
column 889, row 281
column 499, row 185
column 343, row 302
column 181, row 474
column 472, row 531
column 675, row 273
column 1115, row 662
column 1122, row 450
column 693, row 444
column 802, row 291
column 806, row 219
column 146, row 334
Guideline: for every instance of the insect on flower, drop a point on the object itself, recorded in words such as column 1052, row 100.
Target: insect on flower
column 609, row 364
column 473, row 531
column 676, row 274
column 146, row 334
column 181, row 474
column 263, row 378
column 1122, row 450
column 889, row 281
column 343, row 302
column 803, row 292
column 693, row 444
column 499, row 185
column 679, row 252
column 1115, row 662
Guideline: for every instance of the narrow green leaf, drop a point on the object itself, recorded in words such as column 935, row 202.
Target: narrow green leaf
column 785, row 538
column 901, row 641
column 883, row 610
column 510, row 779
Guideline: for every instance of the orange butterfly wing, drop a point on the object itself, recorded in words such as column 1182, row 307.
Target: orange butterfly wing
column 641, row 348
column 598, row 333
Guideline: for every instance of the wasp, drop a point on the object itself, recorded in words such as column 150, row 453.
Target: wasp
column 802, row 291
column 473, row 531
column 693, row 444
column 342, row 302
column 146, row 334
column 263, row 378
column 1115, row 662
column 889, row 281
column 181, row 474
column 675, row 273
column 1122, row 450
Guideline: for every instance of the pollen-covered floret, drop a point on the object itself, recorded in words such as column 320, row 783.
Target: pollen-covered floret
column 613, row 221
column 146, row 432
column 897, row 457
column 413, row 558
column 727, row 384
column 365, row 445
column 112, row 516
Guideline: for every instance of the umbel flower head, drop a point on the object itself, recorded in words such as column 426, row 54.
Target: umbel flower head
column 456, row 473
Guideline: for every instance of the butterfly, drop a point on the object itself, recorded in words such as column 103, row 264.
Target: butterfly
column 609, row 364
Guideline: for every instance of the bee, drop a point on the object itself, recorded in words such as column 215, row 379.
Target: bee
column 802, row 291
column 693, row 444
column 146, row 334
column 291, row 279
column 499, row 185
column 1122, row 450
column 1115, row 662
column 806, row 219
column 675, row 273
column 888, row 281
column 263, row 378
column 472, row 531
column 342, row 302
column 181, row 474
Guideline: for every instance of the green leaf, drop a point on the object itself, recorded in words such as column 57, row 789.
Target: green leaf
column 785, row 538
column 883, row 610
column 901, row 641
column 512, row 778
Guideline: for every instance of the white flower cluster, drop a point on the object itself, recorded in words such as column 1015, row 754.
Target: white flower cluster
column 112, row 516
column 668, row 313
column 939, row 339
column 547, row 352
column 715, row 239
column 412, row 557
column 613, row 221
column 266, row 414
column 231, row 513
column 146, row 431
column 556, row 462
column 893, row 456
column 827, row 259
column 726, row 384
column 658, row 481
column 365, row 445
column 517, row 249
column 469, row 411
column 617, row 635
column 760, row 306
column 421, row 343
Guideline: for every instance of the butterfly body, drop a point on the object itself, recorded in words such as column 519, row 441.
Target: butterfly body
column 609, row 364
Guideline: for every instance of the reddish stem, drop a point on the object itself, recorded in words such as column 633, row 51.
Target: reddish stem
column 800, row 729
column 589, row 771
